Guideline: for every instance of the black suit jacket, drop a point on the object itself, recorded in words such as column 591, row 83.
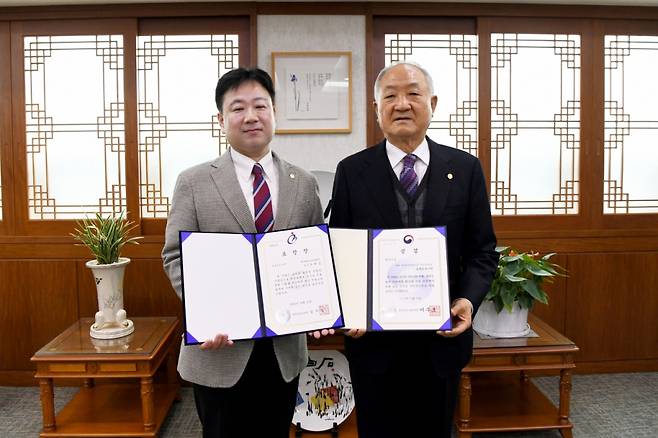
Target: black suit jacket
column 364, row 197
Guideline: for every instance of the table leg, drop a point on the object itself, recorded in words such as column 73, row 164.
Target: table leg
column 47, row 404
column 148, row 408
column 524, row 377
column 172, row 373
column 464, row 404
column 565, row 399
column 566, row 433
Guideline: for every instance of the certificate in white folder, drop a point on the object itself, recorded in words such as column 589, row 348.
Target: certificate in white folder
column 256, row 285
column 393, row 279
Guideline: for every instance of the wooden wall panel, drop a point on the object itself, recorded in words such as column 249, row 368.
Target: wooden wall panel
column 13, row 318
column 51, row 289
column 38, row 301
column 613, row 306
column 149, row 292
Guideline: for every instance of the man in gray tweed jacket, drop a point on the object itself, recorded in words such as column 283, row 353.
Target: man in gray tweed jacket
column 246, row 388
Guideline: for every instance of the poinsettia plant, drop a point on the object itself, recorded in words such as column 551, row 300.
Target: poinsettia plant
column 521, row 277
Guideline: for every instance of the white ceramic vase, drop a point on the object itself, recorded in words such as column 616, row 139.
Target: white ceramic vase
column 111, row 320
column 501, row 325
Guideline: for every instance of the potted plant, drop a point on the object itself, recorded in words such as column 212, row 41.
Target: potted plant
column 105, row 237
column 518, row 283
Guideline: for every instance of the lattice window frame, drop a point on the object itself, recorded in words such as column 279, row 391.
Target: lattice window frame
column 153, row 126
column 40, row 126
column 129, row 28
column 620, row 123
column 461, row 125
column 505, row 124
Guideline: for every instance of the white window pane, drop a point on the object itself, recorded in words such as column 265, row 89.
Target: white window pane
column 451, row 60
column 631, row 125
column 178, row 126
column 74, row 125
column 535, row 123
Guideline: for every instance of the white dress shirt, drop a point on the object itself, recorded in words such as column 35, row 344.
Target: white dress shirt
column 396, row 155
column 243, row 167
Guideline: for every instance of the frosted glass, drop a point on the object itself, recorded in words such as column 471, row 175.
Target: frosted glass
column 451, row 60
column 535, row 123
column 631, row 123
column 178, row 127
column 74, row 118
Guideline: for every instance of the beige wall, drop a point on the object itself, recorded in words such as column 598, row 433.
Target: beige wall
column 280, row 33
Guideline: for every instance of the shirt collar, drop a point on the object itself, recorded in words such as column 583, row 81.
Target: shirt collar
column 395, row 154
column 244, row 165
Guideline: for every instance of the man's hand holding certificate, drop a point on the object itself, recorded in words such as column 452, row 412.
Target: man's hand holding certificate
column 258, row 285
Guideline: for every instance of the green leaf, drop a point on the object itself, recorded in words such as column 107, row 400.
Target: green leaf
column 531, row 287
column 550, row 269
column 508, row 296
column 508, row 259
column 498, row 302
column 548, row 256
column 538, row 271
column 492, row 292
column 513, row 278
column 513, row 268
column 525, row 301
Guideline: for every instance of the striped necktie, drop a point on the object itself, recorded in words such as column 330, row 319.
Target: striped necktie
column 263, row 215
column 408, row 177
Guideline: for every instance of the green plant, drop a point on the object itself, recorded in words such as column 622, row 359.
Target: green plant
column 105, row 236
column 520, row 277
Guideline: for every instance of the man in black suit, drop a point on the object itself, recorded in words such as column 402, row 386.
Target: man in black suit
column 405, row 383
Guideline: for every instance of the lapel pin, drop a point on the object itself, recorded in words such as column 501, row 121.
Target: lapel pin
column 292, row 175
column 449, row 176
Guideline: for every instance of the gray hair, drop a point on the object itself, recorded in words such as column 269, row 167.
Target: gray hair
column 382, row 73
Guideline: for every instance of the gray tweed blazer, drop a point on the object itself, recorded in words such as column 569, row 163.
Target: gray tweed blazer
column 207, row 197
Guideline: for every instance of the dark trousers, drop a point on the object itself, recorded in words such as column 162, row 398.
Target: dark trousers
column 261, row 404
column 409, row 399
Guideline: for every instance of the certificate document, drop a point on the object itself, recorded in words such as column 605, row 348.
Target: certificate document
column 393, row 279
column 258, row 285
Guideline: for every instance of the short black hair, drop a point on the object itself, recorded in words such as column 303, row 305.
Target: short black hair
column 236, row 77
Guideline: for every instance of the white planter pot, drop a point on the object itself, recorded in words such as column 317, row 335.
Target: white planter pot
column 110, row 320
column 501, row 325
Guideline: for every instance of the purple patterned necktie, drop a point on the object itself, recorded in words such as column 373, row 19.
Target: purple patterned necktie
column 408, row 177
column 263, row 215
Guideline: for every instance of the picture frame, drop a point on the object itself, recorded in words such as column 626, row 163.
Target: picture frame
column 313, row 92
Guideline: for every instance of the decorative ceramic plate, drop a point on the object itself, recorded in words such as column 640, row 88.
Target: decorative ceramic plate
column 325, row 395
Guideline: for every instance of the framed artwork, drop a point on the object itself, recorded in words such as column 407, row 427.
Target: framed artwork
column 313, row 92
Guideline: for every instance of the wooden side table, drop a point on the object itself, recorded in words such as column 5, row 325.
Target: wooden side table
column 510, row 402
column 109, row 409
